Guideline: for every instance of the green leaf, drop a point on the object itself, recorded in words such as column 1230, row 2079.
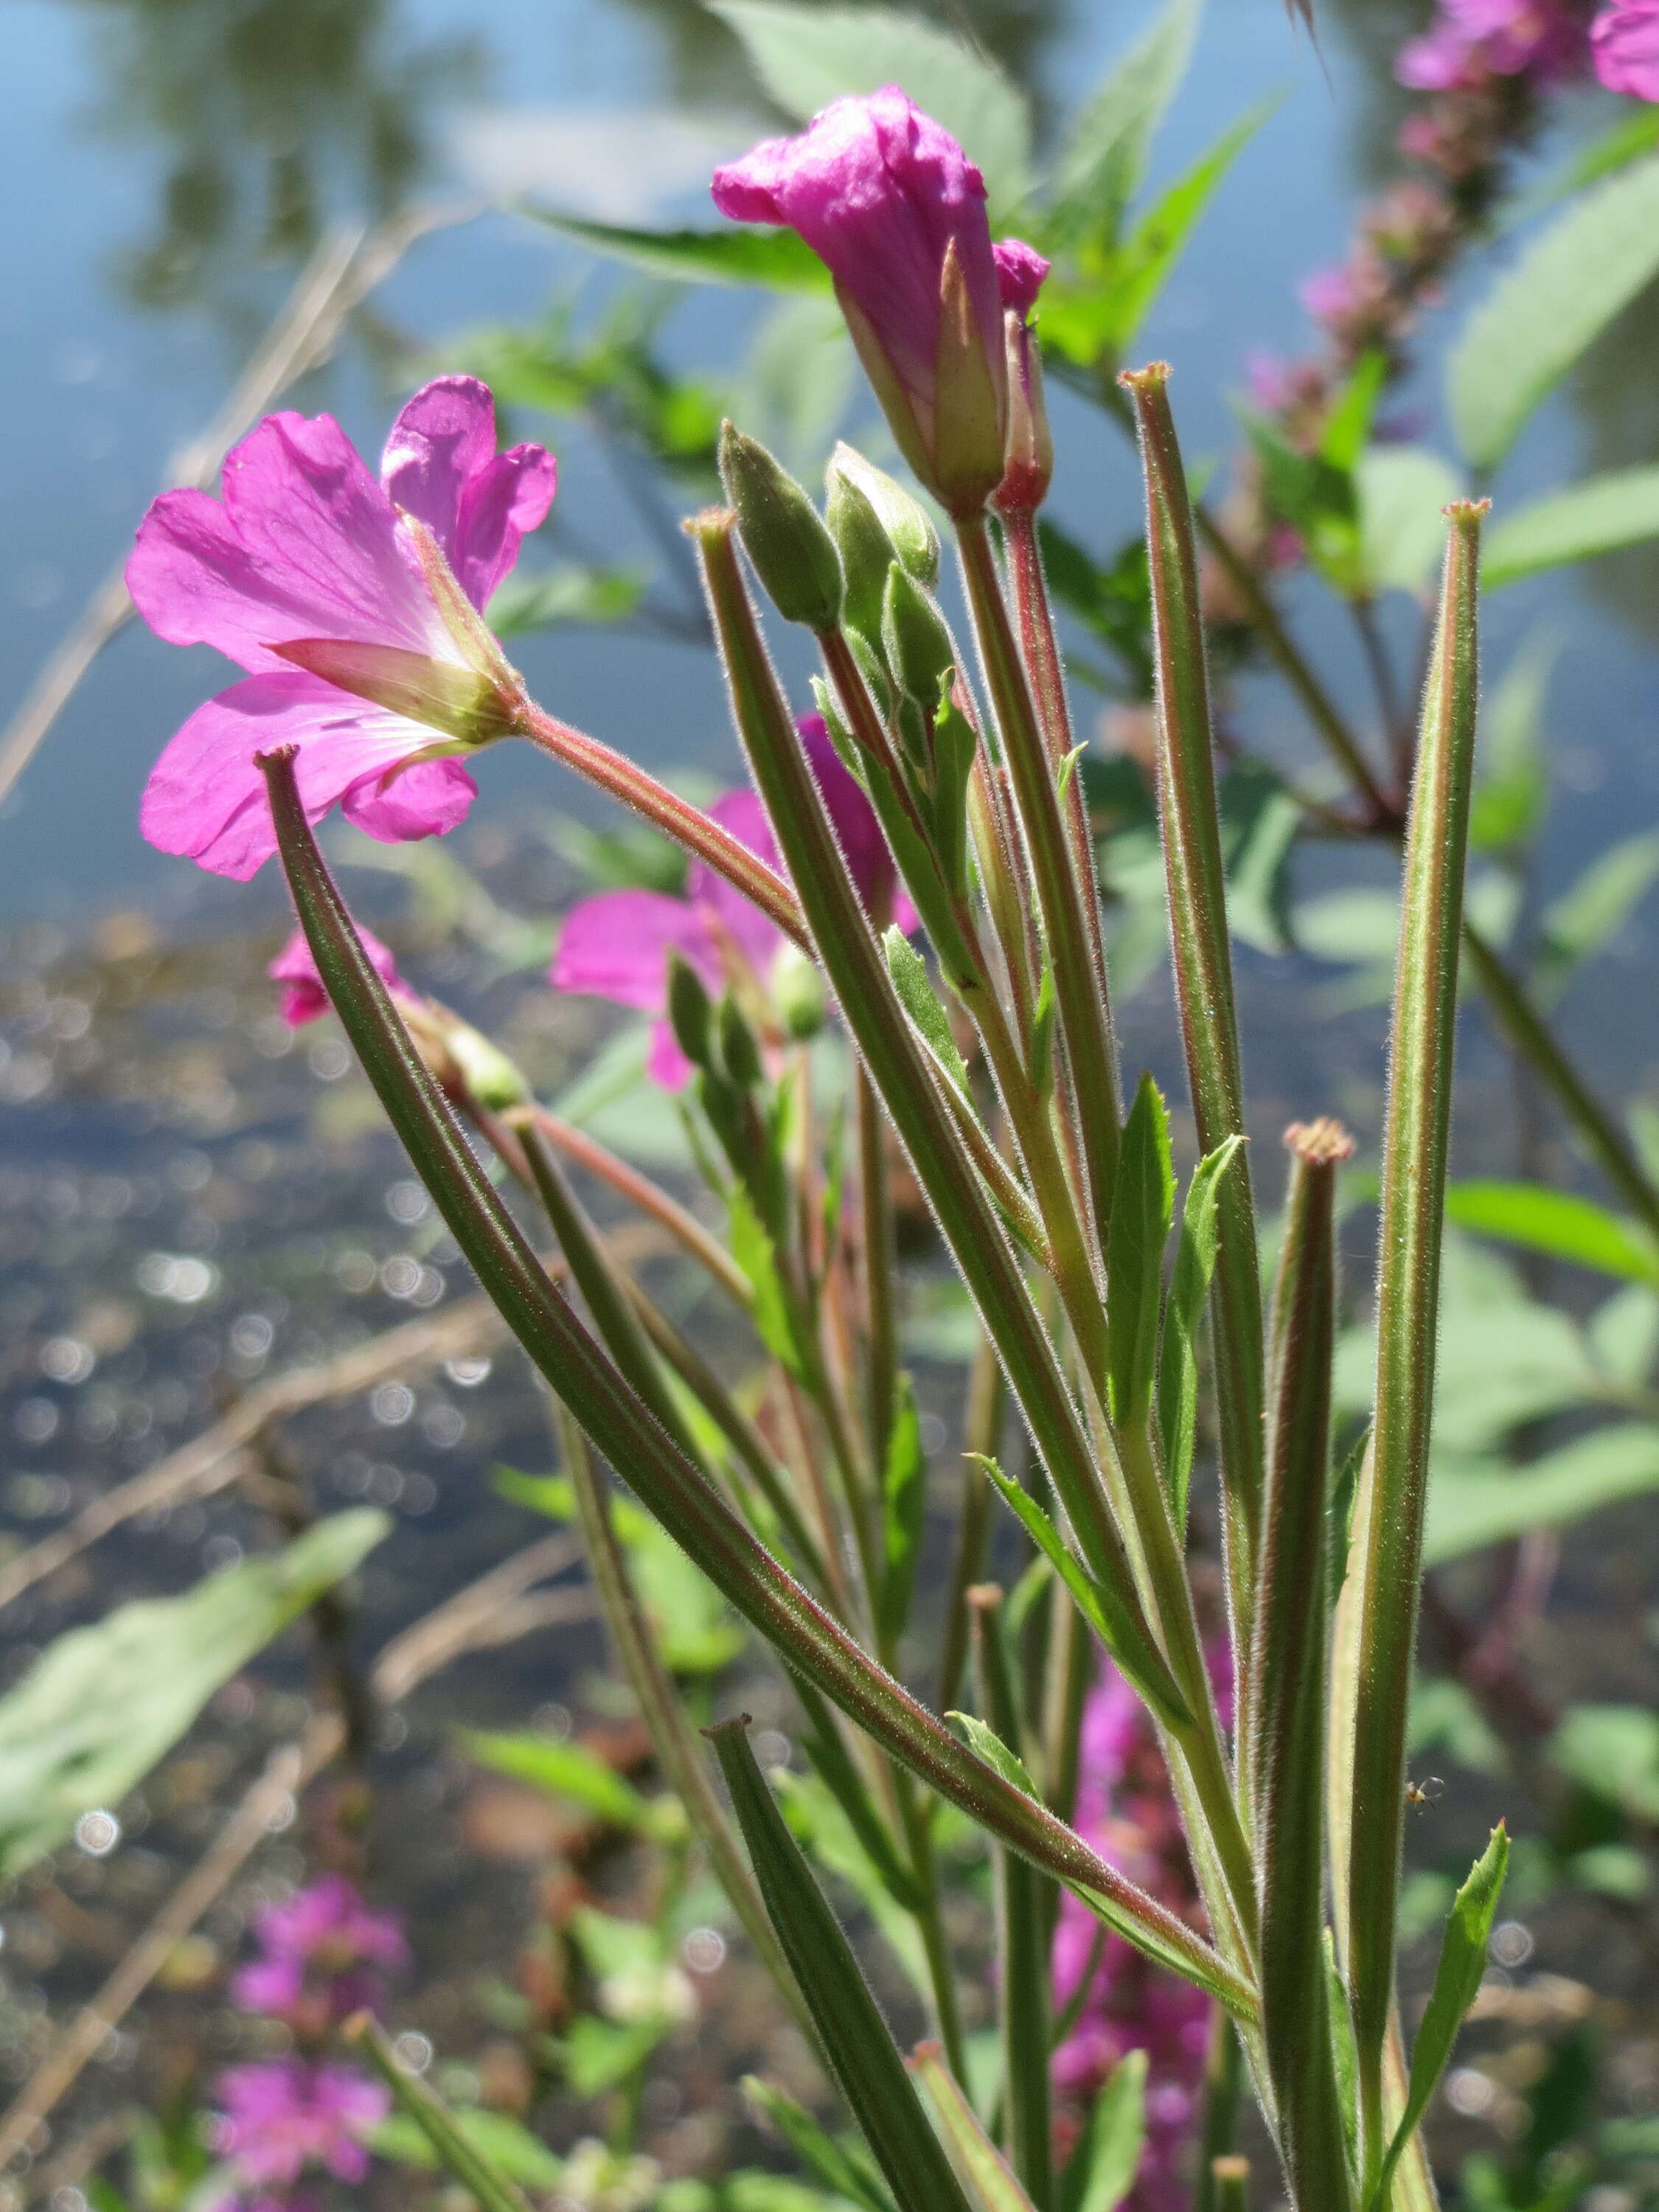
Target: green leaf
column 806, row 57
column 1402, row 489
column 1545, row 312
column 1110, row 1621
column 1184, row 1311
column 572, row 593
column 1556, row 1222
column 102, row 1704
column 982, row 2169
column 1106, row 153
column 1470, row 1509
column 754, row 1253
column 1142, row 1210
column 910, row 980
column 1597, row 516
column 841, row 2165
column 601, row 2054
column 1457, row 1977
column 1148, row 255
column 1588, row 917
column 856, row 2039
column 566, row 1770
column 904, row 1513
column 985, row 1741
column 1106, row 2158
column 780, row 260
column 1613, row 1751
column 505, row 2142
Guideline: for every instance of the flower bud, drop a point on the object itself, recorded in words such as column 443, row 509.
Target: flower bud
column 1030, row 457
column 906, row 523
column 740, row 1054
column 798, row 992
column 486, row 1070
column 690, row 1015
column 783, row 534
column 916, row 639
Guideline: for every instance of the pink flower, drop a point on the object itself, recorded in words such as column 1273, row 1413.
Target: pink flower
column 1471, row 40
column 893, row 207
column 321, row 1949
column 282, row 2115
column 1020, row 271
column 617, row 945
column 303, row 998
column 307, row 562
column 1126, row 1810
column 1624, row 46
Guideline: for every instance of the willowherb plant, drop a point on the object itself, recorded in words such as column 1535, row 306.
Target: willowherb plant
column 917, row 857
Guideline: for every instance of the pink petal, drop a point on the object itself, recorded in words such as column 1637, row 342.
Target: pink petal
column 666, row 1064
column 303, row 999
column 616, row 946
column 206, row 799
column 1020, row 271
column 442, row 466
column 1625, row 41
column 304, row 544
column 755, row 938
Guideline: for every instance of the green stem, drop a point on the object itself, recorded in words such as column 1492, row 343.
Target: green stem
column 982, row 1436
column 476, row 2175
column 880, row 1319
column 1084, row 1010
column 1395, row 1485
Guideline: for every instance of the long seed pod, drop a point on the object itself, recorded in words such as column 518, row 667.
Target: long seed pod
column 665, row 1481
column 1204, row 978
column 1388, row 1514
column 854, row 2038
column 1287, row 1677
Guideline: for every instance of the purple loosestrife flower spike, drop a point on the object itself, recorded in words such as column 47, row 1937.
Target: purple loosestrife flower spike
column 893, row 207
column 1625, row 48
column 283, row 2115
column 308, row 564
column 321, row 1949
column 304, row 999
column 618, row 944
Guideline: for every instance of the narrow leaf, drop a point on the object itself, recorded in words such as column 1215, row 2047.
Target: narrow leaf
column 1471, row 1509
column 1121, row 1636
column 458, row 2152
column 1106, row 2158
column 904, row 1513
column 1546, row 310
column 1556, row 1222
column 1403, row 490
column 1184, row 1311
column 1457, row 1978
column 1149, row 255
column 920, row 1001
column 1105, row 156
column 1597, row 516
column 985, row 2173
column 1142, row 1207
column 839, row 2166
column 856, row 2041
column 992, row 1749
column 564, row 1769
column 780, row 260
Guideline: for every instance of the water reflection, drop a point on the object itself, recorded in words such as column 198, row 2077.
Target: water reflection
column 272, row 118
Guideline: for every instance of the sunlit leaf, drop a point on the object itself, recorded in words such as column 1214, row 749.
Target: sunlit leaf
column 780, row 260
column 1557, row 1222
column 1597, row 516
column 1402, row 533
column 1471, row 1509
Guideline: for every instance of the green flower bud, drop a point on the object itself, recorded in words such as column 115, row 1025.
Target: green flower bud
column 783, row 534
column 914, row 637
column 798, row 992
column 690, row 1015
column 739, row 1053
column 866, row 553
column 910, row 530
column 490, row 1076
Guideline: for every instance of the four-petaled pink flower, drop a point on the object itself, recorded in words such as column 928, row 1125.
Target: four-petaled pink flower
column 321, row 1950
column 308, row 561
column 1624, row 46
column 302, row 998
column 617, row 945
column 282, row 2115
column 889, row 203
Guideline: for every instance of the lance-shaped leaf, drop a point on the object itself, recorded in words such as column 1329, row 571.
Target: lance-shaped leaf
column 855, row 2039
column 1191, row 832
column 1139, row 1660
column 904, row 1514
column 1389, row 1511
column 455, row 2151
column 842, row 2166
column 1143, row 1206
column 1184, row 1311
column 663, row 1479
column 780, row 260
column 1457, row 1978
column 1022, row 1929
column 985, row 2173
column 1106, row 2157
column 1287, row 1682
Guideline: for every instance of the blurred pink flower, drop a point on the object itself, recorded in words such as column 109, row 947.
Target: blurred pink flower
column 1471, row 40
column 302, row 998
column 617, row 945
column 282, row 2115
column 321, row 1950
column 1624, row 47
column 306, row 555
column 887, row 199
